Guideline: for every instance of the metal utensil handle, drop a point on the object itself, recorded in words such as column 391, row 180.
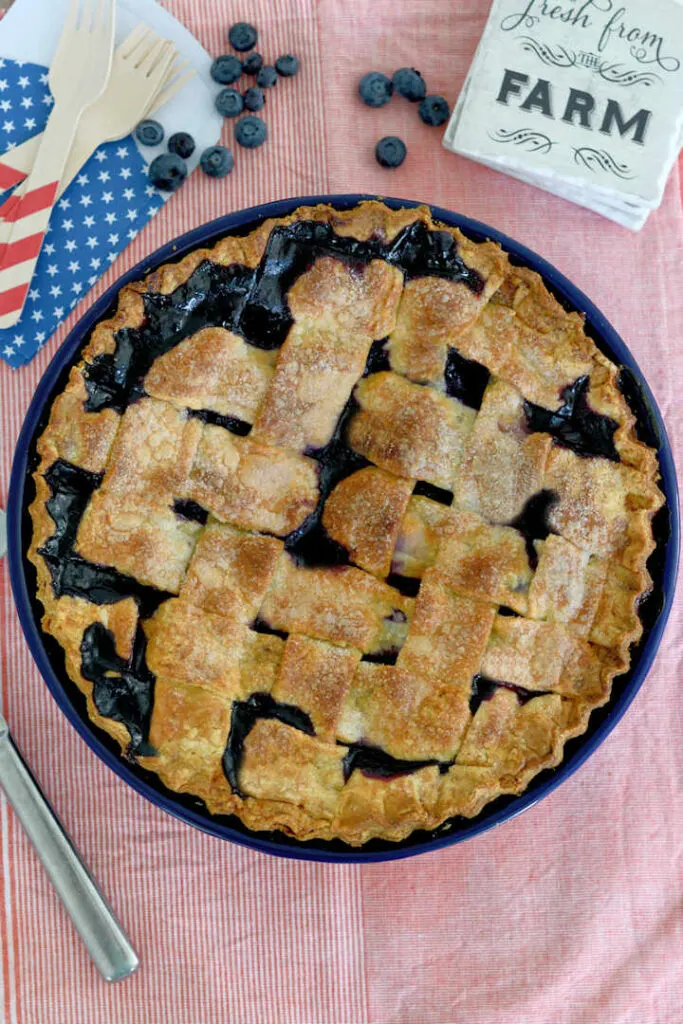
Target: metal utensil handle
column 104, row 937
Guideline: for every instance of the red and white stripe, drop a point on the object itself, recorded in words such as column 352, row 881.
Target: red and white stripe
column 29, row 216
column 9, row 176
column 18, row 162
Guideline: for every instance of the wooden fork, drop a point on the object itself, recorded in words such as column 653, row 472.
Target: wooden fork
column 175, row 79
column 79, row 74
column 104, row 114
column 108, row 125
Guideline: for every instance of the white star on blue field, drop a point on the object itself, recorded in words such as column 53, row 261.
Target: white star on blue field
column 98, row 215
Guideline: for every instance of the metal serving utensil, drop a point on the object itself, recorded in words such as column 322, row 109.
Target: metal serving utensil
column 102, row 934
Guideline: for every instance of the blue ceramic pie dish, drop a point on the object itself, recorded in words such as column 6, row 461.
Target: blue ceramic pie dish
column 663, row 563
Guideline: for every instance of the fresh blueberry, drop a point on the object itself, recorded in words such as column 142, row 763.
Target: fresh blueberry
column 252, row 64
column 409, row 83
column 229, row 103
column 287, row 66
column 182, row 144
column 226, row 70
column 375, row 89
column 167, row 171
column 254, row 99
column 390, row 151
column 242, row 36
column 434, row 110
column 217, row 161
column 149, row 133
column 267, row 77
column 251, row 132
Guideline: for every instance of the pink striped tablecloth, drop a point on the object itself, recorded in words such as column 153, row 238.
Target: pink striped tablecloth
column 570, row 914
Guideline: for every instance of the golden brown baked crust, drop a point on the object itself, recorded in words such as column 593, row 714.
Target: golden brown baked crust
column 215, row 370
column 469, row 701
column 364, row 513
column 410, row 430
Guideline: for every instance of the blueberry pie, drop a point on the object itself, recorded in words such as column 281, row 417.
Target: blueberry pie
column 342, row 525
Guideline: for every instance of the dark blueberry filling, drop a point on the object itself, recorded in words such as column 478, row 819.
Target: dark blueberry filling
column 122, row 691
column 420, row 252
column 231, row 423
column 406, row 585
column 388, row 657
column 310, row 544
column 439, row 494
column 292, row 250
column 652, row 602
column 187, row 509
column 254, row 302
column 377, row 764
column 532, row 522
column 372, row 761
column 378, row 358
column 245, row 714
column 484, row 688
column 211, row 297
column 337, row 460
column 71, row 489
column 639, row 404
column 466, row 379
column 74, row 576
column 575, row 425
column 261, row 626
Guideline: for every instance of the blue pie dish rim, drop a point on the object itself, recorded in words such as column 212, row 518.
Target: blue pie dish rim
column 189, row 809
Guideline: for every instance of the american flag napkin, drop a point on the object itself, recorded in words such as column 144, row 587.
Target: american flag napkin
column 111, row 199
column 98, row 215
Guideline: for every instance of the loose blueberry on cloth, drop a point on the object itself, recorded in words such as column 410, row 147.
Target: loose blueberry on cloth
column 254, row 99
column 266, row 77
column 251, row 132
column 226, row 69
column 390, row 151
column 408, row 82
column 105, row 207
column 252, row 64
column 217, row 161
column 229, row 102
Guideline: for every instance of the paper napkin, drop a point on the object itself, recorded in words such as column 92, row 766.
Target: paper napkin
column 111, row 200
column 584, row 100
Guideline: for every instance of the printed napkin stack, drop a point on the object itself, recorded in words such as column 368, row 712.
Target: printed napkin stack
column 582, row 99
column 111, row 199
